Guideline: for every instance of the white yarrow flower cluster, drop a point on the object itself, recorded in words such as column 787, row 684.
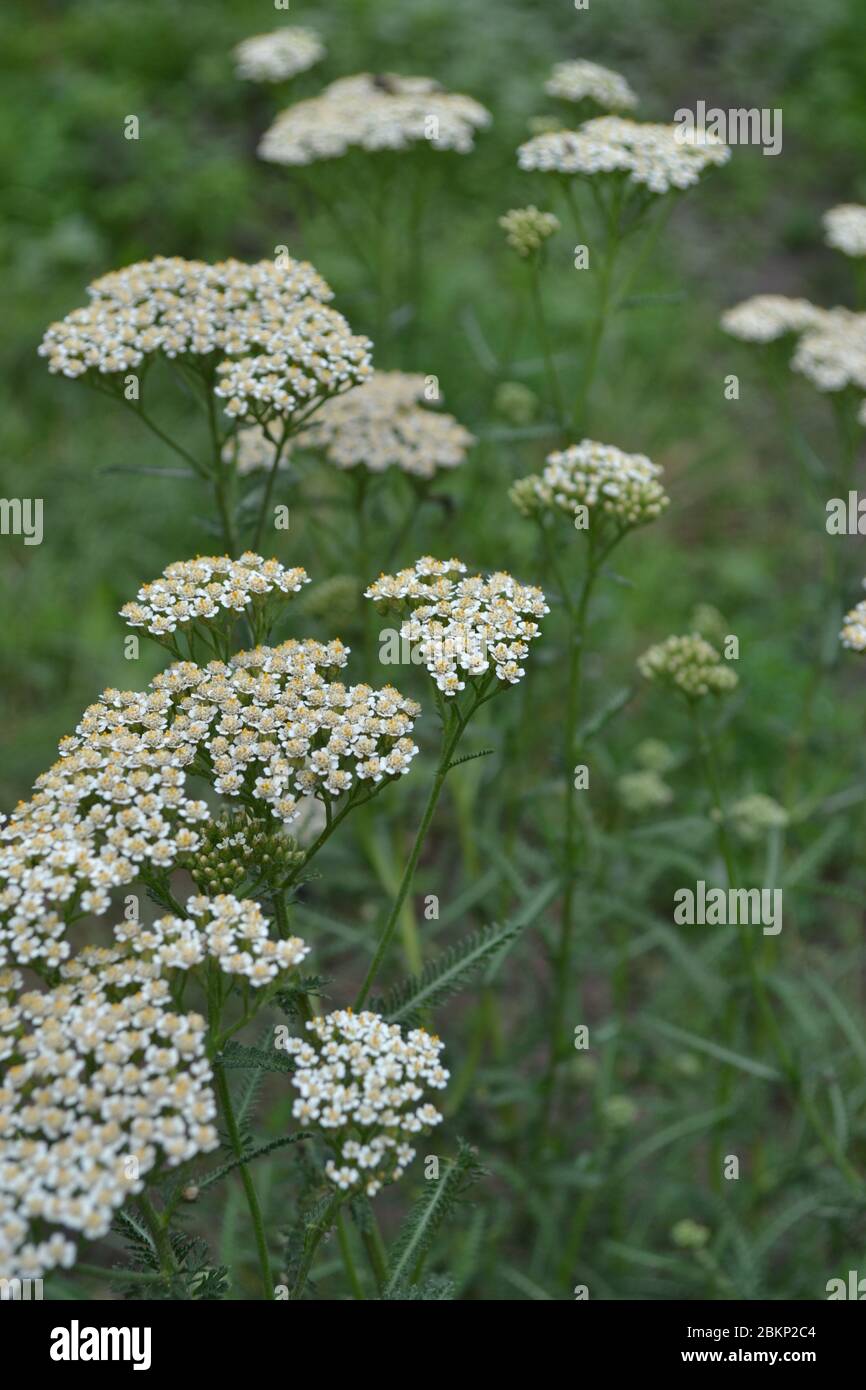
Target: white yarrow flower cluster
column 384, row 424
column 361, row 1081
column 658, row 157
column 689, row 665
column 845, row 228
column 599, row 478
column 211, row 589
column 102, row 1084
column 231, row 931
column 270, row 726
column 373, row 112
column 853, row 634
column 266, row 329
column 766, row 317
column 279, row 55
column 581, row 80
column 832, row 354
column 463, row 625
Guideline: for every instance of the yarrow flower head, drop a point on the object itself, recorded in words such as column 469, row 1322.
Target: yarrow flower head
column 361, row 1083
column 593, row 484
column 214, row 591
column 853, row 634
column 753, row 816
column 845, row 228
column 461, row 625
column 689, row 665
column 657, row 157
column 385, row 424
column 279, row 55
column 265, row 330
column 373, row 112
column 270, row 726
column 765, row 317
column 527, row 229
column 103, row 1083
column 581, row 80
column 832, row 353
column 232, row 932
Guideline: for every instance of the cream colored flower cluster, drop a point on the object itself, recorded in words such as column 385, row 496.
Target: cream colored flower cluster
column 274, row 315
column 231, row 931
column 832, row 353
column 279, row 55
column 845, row 228
column 311, row 357
column 114, row 805
column 658, row 157
column 688, row 664
column 373, row 112
column 765, row 317
column 360, row 1081
column 581, row 80
column 210, row 589
column 270, row 726
column 383, row 424
column 597, row 480
column 102, row 1083
column 461, row 624
column 853, row 634
column 527, row 229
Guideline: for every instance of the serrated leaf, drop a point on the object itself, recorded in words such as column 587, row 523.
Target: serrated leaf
column 445, row 975
column 427, row 1215
column 470, row 757
column 237, row 1056
column 249, row 1155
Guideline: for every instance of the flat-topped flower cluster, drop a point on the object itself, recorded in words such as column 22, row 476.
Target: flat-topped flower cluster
column 463, row 625
column 270, row 726
column 371, row 112
column 596, row 479
column 231, row 931
column 210, row 589
column 279, row 55
column 102, row 1082
column 266, row 329
column 830, row 349
column 361, row 1082
column 581, row 80
column 689, row 665
column 658, row 157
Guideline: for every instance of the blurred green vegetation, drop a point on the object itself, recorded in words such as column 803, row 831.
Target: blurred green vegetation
column 742, row 533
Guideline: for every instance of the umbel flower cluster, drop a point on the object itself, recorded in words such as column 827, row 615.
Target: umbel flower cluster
column 384, row 424
column 231, row 931
column 853, row 634
column 362, row 1083
column 581, row 80
column 381, row 424
column 658, row 157
column 689, row 665
column 592, row 483
column 266, row 329
column 527, row 229
column 830, row 349
column 766, row 317
column 845, row 229
column 102, row 1083
column 279, row 55
column 269, row 726
column 213, row 590
column 463, row 625
column 370, row 112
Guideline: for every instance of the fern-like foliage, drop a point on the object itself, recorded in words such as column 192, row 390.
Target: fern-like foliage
column 435, row 1204
column 445, row 975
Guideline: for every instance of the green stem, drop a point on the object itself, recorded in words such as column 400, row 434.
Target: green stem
column 451, row 740
column 225, row 1100
column 348, row 1258
column 159, row 1235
